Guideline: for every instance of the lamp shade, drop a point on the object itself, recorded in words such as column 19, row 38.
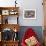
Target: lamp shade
column 15, row 30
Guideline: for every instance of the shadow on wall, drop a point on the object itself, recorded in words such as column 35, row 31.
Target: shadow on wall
column 37, row 29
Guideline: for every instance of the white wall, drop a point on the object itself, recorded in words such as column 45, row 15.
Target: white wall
column 27, row 4
column 33, row 4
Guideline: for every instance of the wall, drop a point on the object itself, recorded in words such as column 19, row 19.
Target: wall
column 27, row 4
column 33, row 4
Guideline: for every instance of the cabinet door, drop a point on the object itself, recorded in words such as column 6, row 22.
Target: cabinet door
column 0, row 36
column 44, row 4
column 0, row 19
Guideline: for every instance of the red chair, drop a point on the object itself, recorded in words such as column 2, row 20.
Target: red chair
column 29, row 33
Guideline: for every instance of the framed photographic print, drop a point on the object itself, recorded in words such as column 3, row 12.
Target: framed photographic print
column 29, row 14
column 5, row 12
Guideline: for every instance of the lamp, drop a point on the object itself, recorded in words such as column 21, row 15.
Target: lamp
column 15, row 30
column 15, row 3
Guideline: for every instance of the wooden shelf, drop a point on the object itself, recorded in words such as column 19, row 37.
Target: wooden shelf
column 10, row 43
column 4, row 24
column 10, row 26
column 9, row 8
column 5, row 11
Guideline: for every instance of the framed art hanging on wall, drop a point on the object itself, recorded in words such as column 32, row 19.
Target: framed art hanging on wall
column 29, row 14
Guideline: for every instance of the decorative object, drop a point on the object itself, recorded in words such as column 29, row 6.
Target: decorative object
column 13, row 12
column 15, row 37
column 29, row 14
column 5, row 12
column 15, row 34
column 6, row 21
column 7, row 34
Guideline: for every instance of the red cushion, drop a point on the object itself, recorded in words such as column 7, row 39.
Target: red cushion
column 29, row 33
